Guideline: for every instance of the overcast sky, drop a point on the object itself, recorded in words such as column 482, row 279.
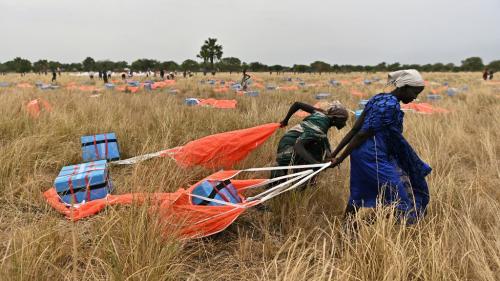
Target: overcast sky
column 270, row 31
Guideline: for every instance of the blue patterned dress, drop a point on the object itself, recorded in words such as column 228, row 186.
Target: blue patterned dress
column 386, row 165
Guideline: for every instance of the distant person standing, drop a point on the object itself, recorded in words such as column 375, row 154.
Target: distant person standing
column 162, row 74
column 485, row 74
column 244, row 80
column 184, row 74
column 100, row 75
column 54, row 75
column 490, row 76
column 105, row 76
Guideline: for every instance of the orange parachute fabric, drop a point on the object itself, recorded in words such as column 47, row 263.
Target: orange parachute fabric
column 288, row 88
column 225, row 104
column 35, row 107
column 439, row 90
column 128, row 89
column 357, row 93
column 222, row 150
column 24, row 85
column 424, row 108
column 257, row 85
column 162, row 84
column 221, row 90
column 176, row 211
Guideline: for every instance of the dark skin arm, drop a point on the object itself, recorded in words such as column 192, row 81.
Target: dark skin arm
column 353, row 140
column 355, row 129
column 303, row 153
column 296, row 107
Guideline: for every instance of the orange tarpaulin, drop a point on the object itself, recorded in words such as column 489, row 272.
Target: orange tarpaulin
column 288, row 88
column 424, row 108
column 83, row 88
column 218, row 103
column 162, row 84
column 128, row 89
column 24, row 85
column 439, row 90
column 221, row 90
column 257, row 85
column 35, row 107
column 357, row 93
column 176, row 212
column 493, row 82
column 224, row 149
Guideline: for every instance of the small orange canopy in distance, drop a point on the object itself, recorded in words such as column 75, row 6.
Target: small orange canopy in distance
column 424, row 108
column 225, row 104
column 357, row 93
column 35, row 107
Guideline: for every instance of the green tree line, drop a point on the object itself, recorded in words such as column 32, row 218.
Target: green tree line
column 212, row 61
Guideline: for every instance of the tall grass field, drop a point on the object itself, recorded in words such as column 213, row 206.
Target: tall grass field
column 302, row 235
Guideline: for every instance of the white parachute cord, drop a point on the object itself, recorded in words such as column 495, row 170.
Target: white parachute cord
column 280, row 186
column 284, row 168
column 303, row 180
column 140, row 158
column 217, row 201
column 266, row 182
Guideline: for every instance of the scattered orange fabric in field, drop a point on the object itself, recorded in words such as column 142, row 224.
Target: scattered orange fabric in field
column 357, row 93
column 128, row 88
column 218, row 103
column 288, row 88
column 24, row 85
column 439, row 90
column 257, row 85
column 35, row 107
column 162, row 84
column 424, row 108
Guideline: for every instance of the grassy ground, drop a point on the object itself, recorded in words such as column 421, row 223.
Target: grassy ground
column 302, row 238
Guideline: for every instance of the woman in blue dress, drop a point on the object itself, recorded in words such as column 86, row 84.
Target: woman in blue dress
column 384, row 166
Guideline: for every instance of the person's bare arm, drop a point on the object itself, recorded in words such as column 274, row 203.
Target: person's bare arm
column 296, row 107
column 355, row 129
column 358, row 139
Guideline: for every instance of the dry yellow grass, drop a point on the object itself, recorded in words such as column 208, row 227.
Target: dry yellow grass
column 303, row 238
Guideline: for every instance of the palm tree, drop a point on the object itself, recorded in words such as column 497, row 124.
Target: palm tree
column 210, row 51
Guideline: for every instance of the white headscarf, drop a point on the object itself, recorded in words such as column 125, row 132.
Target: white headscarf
column 408, row 77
